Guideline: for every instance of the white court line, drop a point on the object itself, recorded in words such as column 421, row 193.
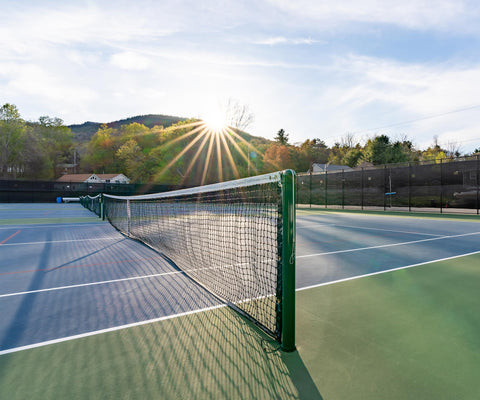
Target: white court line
column 115, row 328
column 91, row 284
column 389, row 245
column 387, row 270
column 116, row 237
column 365, row 228
column 186, row 271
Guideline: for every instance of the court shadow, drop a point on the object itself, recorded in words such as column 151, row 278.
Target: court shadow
column 215, row 354
column 165, row 349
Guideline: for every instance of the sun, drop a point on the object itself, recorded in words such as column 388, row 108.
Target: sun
column 215, row 121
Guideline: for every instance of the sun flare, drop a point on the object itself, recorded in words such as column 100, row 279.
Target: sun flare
column 215, row 121
column 214, row 149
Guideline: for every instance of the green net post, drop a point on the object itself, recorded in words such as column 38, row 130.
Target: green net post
column 102, row 207
column 288, row 256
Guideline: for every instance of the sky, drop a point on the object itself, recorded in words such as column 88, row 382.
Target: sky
column 315, row 68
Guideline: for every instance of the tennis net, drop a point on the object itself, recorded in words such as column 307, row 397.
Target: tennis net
column 235, row 238
column 93, row 203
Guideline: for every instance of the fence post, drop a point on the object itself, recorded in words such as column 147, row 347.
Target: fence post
column 441, row 186
column 478, row 172
column 385, row 187
column 310, row 190
column 362, row 184
column 326, row 188
column 343, row 188
column 409, row 187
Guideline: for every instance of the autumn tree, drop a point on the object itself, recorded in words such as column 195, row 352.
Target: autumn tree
column 310, row 151
column 277, row 157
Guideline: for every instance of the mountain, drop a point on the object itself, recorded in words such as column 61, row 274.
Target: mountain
column 83, row 132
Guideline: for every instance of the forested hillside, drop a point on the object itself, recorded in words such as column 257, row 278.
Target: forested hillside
column 84, row 132
column 171, row 150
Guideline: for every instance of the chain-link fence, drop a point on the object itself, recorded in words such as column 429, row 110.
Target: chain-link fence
column 15, row 191
column 435, row 186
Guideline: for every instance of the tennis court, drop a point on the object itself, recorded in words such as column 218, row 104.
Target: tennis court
column 89, row 313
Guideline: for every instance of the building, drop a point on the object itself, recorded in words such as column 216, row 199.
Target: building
column 94, row 178
column 316, row 167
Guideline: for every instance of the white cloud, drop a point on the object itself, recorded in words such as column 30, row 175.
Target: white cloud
column 283, row 40
column 130, row 60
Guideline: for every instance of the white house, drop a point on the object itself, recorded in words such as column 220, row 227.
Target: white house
column 94, row 178
column 317, row 167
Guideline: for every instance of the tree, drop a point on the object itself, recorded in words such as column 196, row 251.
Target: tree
column 352, row 157
column 310, row 151
column 277, row 157
column 131, row 154
column 133, row 130
column 238, row 115
column 12, row 141
column 380, row 150
column 57, row 142
column 101, row 151
column 282, row 137
column 453, row 149
column 434, row 152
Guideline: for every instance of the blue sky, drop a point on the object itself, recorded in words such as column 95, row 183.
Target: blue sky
column 314, row 68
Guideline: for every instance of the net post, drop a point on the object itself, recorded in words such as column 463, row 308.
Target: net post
column 129, row 217
column 288, row 261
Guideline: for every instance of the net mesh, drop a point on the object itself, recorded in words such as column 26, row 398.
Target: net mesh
column 93, row 203
column 226, row 237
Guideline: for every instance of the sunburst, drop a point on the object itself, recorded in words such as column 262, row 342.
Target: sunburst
column 216, row 140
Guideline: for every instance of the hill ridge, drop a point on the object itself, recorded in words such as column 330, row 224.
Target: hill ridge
column 83, row 132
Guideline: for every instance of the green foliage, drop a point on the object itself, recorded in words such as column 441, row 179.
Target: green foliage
column 353, row 157
column 435, row 153
column 101, row 151
column 57, row 141
column 32, row 150
column 84, row 132
column 380, row 150
column 12, row 141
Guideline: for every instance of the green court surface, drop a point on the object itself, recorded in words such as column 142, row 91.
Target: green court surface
column 407, row 334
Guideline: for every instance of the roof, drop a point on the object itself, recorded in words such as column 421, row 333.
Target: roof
column 85, row 177
column 108, row 176
column 74, row 177
column 329, row 167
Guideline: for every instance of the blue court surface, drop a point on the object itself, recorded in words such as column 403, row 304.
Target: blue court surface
column 65, row 280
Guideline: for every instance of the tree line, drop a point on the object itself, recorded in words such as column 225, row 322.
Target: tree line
column 33, row 150
column 182, row 153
